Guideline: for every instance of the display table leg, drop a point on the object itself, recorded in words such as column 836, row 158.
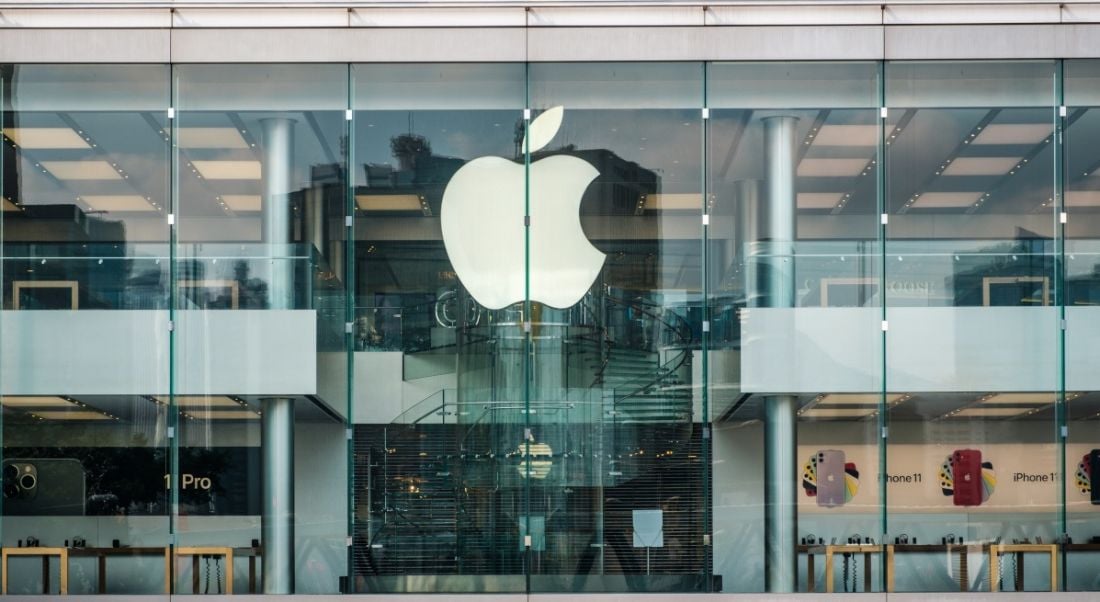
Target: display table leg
column 811, row 585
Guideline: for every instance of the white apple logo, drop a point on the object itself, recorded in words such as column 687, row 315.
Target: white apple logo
column 482, row 223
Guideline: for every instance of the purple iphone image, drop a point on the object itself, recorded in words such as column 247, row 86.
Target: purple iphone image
column 830, row 478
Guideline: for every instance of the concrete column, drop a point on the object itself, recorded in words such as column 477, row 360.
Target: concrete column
column 780, row 414
column 277, row 514
column 746, row 234
column 278, row 167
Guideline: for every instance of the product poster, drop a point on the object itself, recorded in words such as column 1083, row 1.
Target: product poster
column 942, row 478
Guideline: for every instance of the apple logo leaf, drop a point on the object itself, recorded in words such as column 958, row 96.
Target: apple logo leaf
column 543, row 129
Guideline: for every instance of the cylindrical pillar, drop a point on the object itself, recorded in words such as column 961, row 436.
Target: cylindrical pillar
column 277, row 514
column 779, row 194
column 781, row 411
column 746, row 234
column 278, row 166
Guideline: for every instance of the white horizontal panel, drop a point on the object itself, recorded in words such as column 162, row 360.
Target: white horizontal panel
column 260, row 17
column 454, row 45
column 615, row 43
column 259, row 45
column 85, row 18
column 1081, row 13
column 610, row 16
column 810, row 43
column 920, row 14
column 439, row 17
column 972, row 41
column 794, row 15
column 84, row 46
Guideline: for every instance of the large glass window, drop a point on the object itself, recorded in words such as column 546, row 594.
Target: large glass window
column 971, row 303
column 260, row 374
column 794, row 291
column 85, row 328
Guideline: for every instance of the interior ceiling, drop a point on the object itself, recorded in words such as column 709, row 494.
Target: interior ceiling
column 1037, row 406
column 147, row 409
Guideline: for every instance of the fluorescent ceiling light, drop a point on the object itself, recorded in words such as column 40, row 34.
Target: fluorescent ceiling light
column 847, row 135
column 837, row 412
column 673, row 202
column 19, row 401
column 862, row 399
column 831, row 168
column 118, row 202
column 228, row 170
column 202, row 401
column 981, row 166
column 1024, row 399
column 388, row 202
column 818, row 200
column 81, row 170
column 243, row 202
column 989, row 412
column 46, row 138
column 1083, row 198
column 10, row 206
column 1014, row 133
column 942, row 200
column 224, row 415
column 210, row 138
column 74, row 415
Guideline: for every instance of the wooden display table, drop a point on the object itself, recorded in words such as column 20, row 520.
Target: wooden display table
column 866, row 549
column 101, row 555
column 252, row 554
column 812, row 551
column 1020, row 549
column 62, row 555
column 962, row 549
column 196, row 553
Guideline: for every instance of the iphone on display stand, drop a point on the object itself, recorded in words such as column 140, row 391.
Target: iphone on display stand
column 830, row 478
column 966, row 467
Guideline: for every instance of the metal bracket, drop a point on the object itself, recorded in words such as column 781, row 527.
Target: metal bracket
column 885, row 218
column 706, row 325
column 171, row 113
column 171, row 432
column 706, row 219
column 527, row 114
column 883, row 112
column 706, row 113
column 885, row 432
column 348, row 114
column 885, row 325
column 349, row 221
column 349, row 327
column 171, row 219
column 1063, row 111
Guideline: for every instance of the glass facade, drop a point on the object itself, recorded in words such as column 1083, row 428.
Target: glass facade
column 549, row 327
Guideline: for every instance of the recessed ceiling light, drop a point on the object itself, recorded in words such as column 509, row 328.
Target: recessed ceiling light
column 837, row 412
column 674, row 202
column 243, row 202
column 941, row 200
column 74, row 415
column 989, row 412
column 831, row 168
column 1024, row 399
column 223, row 415
column 210, row 138
column 818, row 200
column 203, row 401
column 981, row 166
column 847, row 135
column 81, row 170
column 229, row 170
column 863, row 399
column 388, row 202
column 41, row 138
column 118, row 202
column 23, row 401
column 1083, row 198
column 1014, row 133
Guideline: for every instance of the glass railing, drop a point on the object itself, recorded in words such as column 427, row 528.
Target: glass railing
column 138, row 276
column 919, row 273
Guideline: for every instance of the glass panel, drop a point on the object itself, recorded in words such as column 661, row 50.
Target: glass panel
column 794, row 355
column 84, row 315
column 260, row 365
column 617, row 479
column 439, row 346
column 972, row 346
column 1082, row 256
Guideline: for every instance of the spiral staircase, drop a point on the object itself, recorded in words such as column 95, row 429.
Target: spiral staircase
column 415, row 477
